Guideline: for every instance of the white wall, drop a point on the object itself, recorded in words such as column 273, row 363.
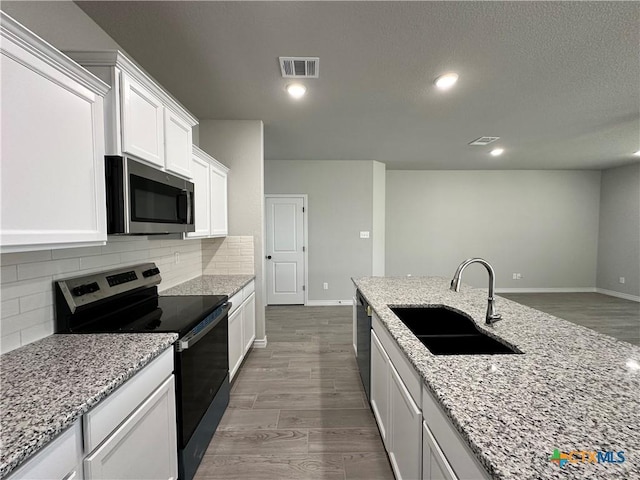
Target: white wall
column 379, row 208
column 26, row 288
column 619, row 240
column 542, row 224
column 239, row 144
column 340, row 206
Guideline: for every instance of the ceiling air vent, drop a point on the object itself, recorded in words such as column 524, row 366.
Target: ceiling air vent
column 299, row 67
column 482, row 141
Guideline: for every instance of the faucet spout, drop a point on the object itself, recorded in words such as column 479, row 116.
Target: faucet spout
column 492, row 316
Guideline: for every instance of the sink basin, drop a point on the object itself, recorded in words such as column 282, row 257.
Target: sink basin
column 445, row 332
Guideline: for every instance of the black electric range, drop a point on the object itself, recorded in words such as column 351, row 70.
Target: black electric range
column 126, row 300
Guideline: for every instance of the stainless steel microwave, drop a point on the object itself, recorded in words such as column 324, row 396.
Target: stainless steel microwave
column 143, row 200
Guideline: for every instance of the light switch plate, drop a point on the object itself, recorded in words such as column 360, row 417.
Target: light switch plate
column 364, row 234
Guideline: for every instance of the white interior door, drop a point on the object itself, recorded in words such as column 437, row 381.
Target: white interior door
column 285, row 250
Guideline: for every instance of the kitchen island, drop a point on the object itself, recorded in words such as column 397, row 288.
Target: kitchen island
column 572, row 389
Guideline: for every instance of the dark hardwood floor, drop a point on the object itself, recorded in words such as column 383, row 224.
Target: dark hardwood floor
column 612, row 316
column 298, row 409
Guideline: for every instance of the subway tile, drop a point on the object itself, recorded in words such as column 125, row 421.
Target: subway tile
column 43, row 269
column 25, row 257
column 10, row 342
column 9, row 308
column 27, row 320
column 75, row 252
column 35, row 301
column 26, row 287
column 8, row 273
column 137, row 256
column 111, row 260
column 36, row 332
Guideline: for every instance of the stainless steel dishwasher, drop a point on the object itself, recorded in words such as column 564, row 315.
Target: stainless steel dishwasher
column 363, row 333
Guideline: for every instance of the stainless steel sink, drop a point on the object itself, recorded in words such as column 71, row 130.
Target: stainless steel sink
column 445, row 332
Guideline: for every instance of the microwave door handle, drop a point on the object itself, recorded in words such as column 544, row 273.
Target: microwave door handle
column 187, row 196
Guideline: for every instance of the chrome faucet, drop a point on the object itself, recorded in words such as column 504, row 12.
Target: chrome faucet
column 492, row 317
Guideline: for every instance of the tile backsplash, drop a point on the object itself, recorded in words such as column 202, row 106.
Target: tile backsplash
column 228, row 256
column 26, row 288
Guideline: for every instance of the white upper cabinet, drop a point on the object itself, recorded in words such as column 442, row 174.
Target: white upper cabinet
column 142, row 122
column 177, row 139
column 142, row 119
column 210, row 180
column 52, row 172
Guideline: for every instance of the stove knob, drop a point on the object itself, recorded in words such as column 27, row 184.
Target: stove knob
column 79, row 291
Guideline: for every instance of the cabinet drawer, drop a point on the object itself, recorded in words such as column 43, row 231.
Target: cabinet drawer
column 144, row 446
column 103, row 419
column 236, row 301
column 56, row 461
column 453, row 448
column 406, row 371
column 249, row 289
column 435, row 465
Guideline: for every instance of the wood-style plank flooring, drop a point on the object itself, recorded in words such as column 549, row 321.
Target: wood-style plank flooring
column 298, row 409
column 612, row 316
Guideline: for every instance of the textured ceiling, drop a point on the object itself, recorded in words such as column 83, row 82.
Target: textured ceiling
column 559, row 82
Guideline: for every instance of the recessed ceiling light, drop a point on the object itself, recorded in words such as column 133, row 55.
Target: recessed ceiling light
column 637, row 154
column 296, row 90
column 446, row 81
column 497, row 152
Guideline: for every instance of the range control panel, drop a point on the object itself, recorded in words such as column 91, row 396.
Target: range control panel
column 79, row 291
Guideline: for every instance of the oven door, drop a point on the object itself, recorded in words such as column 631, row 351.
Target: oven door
column 202, row 367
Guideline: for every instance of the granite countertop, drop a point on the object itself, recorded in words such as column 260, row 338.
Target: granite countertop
column 47, row 385
column 211, row 285
column 572, row 389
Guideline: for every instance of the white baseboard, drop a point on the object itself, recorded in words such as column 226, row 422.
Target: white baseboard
column 260, row 342
column 547, row 290
column 328, row 303
column 626, row 296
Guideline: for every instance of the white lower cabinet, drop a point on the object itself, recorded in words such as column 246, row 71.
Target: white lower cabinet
column 434, row 464
column 235, row 342
column 140, row 448
column 242, row 326
column 61, row 459
column 405, row 421
column 380, row 387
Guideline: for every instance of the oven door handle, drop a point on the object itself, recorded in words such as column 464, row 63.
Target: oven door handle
column 190, row 339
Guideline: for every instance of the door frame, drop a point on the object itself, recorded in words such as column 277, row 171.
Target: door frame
column 305, row 240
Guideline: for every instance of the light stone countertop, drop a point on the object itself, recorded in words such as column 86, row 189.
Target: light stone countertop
column 572, row 389
column 211, row 285
column 47, row 385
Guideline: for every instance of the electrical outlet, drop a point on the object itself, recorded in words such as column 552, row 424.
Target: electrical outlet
column 621, row 280
column 325, row 286
column 517, row 276
column 364, row 234
column 176, row 257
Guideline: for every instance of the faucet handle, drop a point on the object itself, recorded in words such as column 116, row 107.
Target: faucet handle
column 493, row 318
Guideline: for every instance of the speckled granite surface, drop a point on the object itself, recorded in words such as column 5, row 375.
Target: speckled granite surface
column 211, row 285
column 572, row 389
column 47, row 385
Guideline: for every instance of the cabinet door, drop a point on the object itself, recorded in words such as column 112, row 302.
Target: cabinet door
column 144, row 446
column 249, row 320
column 52, row 149
column 405, row 420
column 380, row 387
column 202, row 197
column 219, row 226
column 434, row 463
column 235, row 342
column 142, row 122
column 177, row 140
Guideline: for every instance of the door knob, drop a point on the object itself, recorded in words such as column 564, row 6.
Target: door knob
column 268, row 257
